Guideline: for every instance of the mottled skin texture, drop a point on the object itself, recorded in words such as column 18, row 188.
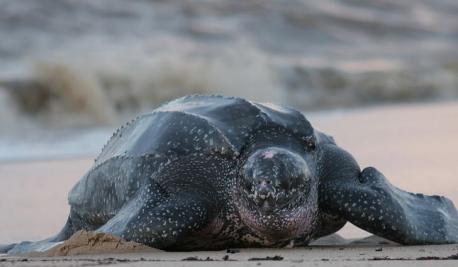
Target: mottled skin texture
column 211, row 172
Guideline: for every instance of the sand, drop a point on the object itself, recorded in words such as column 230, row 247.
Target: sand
column 443, row 255
column 89, row 243
column 413, row 145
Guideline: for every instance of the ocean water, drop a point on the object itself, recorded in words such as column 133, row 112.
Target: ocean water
column 75, row 70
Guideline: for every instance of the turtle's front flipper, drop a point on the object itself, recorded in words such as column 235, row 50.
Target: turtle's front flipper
column 174, row 205
column 369, row 201
column 164, row 225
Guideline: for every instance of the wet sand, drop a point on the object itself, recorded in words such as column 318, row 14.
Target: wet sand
column 413, row 145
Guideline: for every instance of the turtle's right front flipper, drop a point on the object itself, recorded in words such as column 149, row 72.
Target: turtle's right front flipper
column 368, row 200
column 163, row 226
column 189, row 202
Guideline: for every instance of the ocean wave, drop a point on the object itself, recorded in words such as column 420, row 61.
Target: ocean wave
column 78, row 92
column 99, row 63
column 104, row 92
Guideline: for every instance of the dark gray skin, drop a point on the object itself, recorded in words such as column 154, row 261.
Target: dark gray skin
column 210, row 172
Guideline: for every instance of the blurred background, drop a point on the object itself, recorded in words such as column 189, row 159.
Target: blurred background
column 381, row 76
column 69, row 68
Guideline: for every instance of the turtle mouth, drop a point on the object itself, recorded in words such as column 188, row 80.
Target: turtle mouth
column 279, row 219
column 265, row 205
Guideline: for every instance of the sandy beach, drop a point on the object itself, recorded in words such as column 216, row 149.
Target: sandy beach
column 310, row 256
column 413, row 145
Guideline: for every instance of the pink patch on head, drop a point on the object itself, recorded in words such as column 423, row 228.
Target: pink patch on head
column 268, row 154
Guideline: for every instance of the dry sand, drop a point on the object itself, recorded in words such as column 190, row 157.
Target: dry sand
column 89, row 243
column 413, row 145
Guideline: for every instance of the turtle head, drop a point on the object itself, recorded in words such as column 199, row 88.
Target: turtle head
column 275, row 177
column 277, row 193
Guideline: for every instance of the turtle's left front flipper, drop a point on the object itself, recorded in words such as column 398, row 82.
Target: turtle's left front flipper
column 368, row 200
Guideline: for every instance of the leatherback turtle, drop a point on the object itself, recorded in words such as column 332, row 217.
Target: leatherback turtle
column 212, row 172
